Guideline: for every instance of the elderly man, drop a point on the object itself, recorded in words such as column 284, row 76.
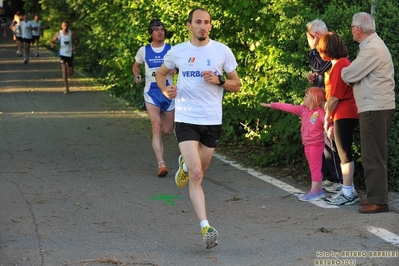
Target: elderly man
column 372, row 74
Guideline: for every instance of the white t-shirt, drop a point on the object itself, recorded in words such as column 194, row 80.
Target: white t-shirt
column 17, row 30
column 38, row 25
column 26, row 29
column 198, row 102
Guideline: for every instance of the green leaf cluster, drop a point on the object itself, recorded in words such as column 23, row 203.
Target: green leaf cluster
column 267, row 37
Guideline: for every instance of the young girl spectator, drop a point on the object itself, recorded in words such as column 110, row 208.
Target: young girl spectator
column 312, row 114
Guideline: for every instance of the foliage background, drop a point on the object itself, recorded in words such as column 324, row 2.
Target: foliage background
column 268, row 39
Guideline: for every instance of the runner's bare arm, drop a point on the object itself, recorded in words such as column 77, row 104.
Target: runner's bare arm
column 76, row 38
column 233, row 82
column 54, row 39
column 169, row 91
column 136, row 72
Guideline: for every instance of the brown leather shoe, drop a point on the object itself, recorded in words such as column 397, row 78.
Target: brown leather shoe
column 374, row 208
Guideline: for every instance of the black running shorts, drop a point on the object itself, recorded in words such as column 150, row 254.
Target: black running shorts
column 66, row 60
column 207, row 135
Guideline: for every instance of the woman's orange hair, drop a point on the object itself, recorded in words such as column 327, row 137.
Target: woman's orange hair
column 332, row 46
column 317, row 96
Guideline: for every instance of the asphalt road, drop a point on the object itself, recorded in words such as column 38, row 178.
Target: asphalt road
column 78, row 186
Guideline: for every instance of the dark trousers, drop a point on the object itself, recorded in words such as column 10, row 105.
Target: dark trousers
column 331, row 167
column 374, row 131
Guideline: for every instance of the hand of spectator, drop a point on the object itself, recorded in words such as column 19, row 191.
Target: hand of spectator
column 330, row 131
column 313, row 39
column 311, row 76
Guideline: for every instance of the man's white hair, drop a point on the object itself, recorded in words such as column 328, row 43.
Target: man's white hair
column 317, row 25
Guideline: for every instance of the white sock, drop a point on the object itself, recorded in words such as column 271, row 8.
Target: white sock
column 353, row 187
column 204, row 223
column 347, row 190
column 185, row 167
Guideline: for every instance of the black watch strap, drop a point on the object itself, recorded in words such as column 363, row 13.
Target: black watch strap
column 221, row 80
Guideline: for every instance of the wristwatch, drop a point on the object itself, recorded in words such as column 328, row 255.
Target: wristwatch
column 221, row 80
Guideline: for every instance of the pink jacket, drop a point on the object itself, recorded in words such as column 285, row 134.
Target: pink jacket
column 312, row 129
